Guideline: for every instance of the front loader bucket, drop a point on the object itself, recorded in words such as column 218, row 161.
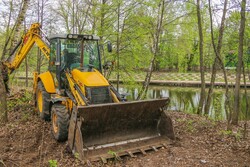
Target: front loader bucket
column 115, row 129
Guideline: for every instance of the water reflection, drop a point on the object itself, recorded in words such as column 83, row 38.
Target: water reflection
column 187, row 99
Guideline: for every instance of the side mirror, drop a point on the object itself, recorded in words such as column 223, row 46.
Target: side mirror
column 109, row 46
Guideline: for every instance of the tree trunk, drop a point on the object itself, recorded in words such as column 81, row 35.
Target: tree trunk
column 245, row 132
column 26, row 64
column 101, row 33
column 18, row 25
column 3, row 102
column 9, row 34
column 118, row 46
column 235, row 114
column 39, row 20
column 202, row 70
column 143, row 91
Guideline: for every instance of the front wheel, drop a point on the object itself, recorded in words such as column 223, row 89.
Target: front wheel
column 60, row 122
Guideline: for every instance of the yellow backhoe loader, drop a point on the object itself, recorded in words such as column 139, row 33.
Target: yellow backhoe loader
column 83, row 107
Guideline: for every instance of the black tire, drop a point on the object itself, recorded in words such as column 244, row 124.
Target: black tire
column 43, row 102
column 60, row 122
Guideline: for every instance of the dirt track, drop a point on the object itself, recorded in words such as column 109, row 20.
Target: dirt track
column 26, row 141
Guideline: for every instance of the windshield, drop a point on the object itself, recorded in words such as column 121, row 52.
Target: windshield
column 76, row 53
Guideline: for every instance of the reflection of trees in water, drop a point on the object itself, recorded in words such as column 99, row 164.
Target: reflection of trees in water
column 245, row 112
column 183, row 101
column 187, row 99
column 217, row 107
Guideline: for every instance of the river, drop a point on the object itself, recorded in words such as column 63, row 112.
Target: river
column 186, row 99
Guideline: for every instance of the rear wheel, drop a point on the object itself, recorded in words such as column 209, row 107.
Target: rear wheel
column 43, row 101
column 60, row 122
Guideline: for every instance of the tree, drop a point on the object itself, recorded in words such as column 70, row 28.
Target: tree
column 202, row 70
column 217, row 50
column 3, row 70
column 75, row 17
column 155, row 49
column 7, row 30
column 236, row 110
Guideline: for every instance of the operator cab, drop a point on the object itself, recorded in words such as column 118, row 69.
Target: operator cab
column 70, row 51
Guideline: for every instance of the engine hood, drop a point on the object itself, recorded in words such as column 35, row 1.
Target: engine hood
column 91, row 79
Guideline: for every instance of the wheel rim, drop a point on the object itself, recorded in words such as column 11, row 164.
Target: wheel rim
column 54, row 123
column 40, row 101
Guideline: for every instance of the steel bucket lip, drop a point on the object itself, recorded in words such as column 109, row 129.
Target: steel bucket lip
column 130, row 149
column 125, row 103
column 108, row 145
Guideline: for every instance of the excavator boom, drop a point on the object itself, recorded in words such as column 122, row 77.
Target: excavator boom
column 28, row 40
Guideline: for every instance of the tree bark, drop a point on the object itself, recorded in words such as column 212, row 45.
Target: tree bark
column 118, row 45
column 3, row 102
column 202, row 70
column 18, row 25
column 9, row 33
column 245, row 132
column 236, row 111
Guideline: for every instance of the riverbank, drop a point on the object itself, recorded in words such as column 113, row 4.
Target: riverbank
column 191, row 79
column 178, row 79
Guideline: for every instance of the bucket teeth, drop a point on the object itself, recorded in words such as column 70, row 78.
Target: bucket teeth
column 143, row 152
column 117, row 157
column 104, row 160
column 131, row 154
column 164, row 145
column 154, row 148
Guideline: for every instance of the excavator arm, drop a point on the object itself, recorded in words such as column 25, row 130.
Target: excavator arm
column 28, row 40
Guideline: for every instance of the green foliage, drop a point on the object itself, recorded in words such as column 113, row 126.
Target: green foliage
column 231, row 59
column 52, row 163
column 115, row 154
column 217, row 106
column 76, row 155
column 24, row 98
column 137, row 31
column 25, row 116
column 190, row 125
column 236, row 135
column 226, row 132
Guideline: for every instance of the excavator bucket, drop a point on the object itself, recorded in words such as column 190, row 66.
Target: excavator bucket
column 103, row 131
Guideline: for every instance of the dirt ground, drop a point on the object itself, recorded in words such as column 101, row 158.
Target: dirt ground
column 27, row 141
